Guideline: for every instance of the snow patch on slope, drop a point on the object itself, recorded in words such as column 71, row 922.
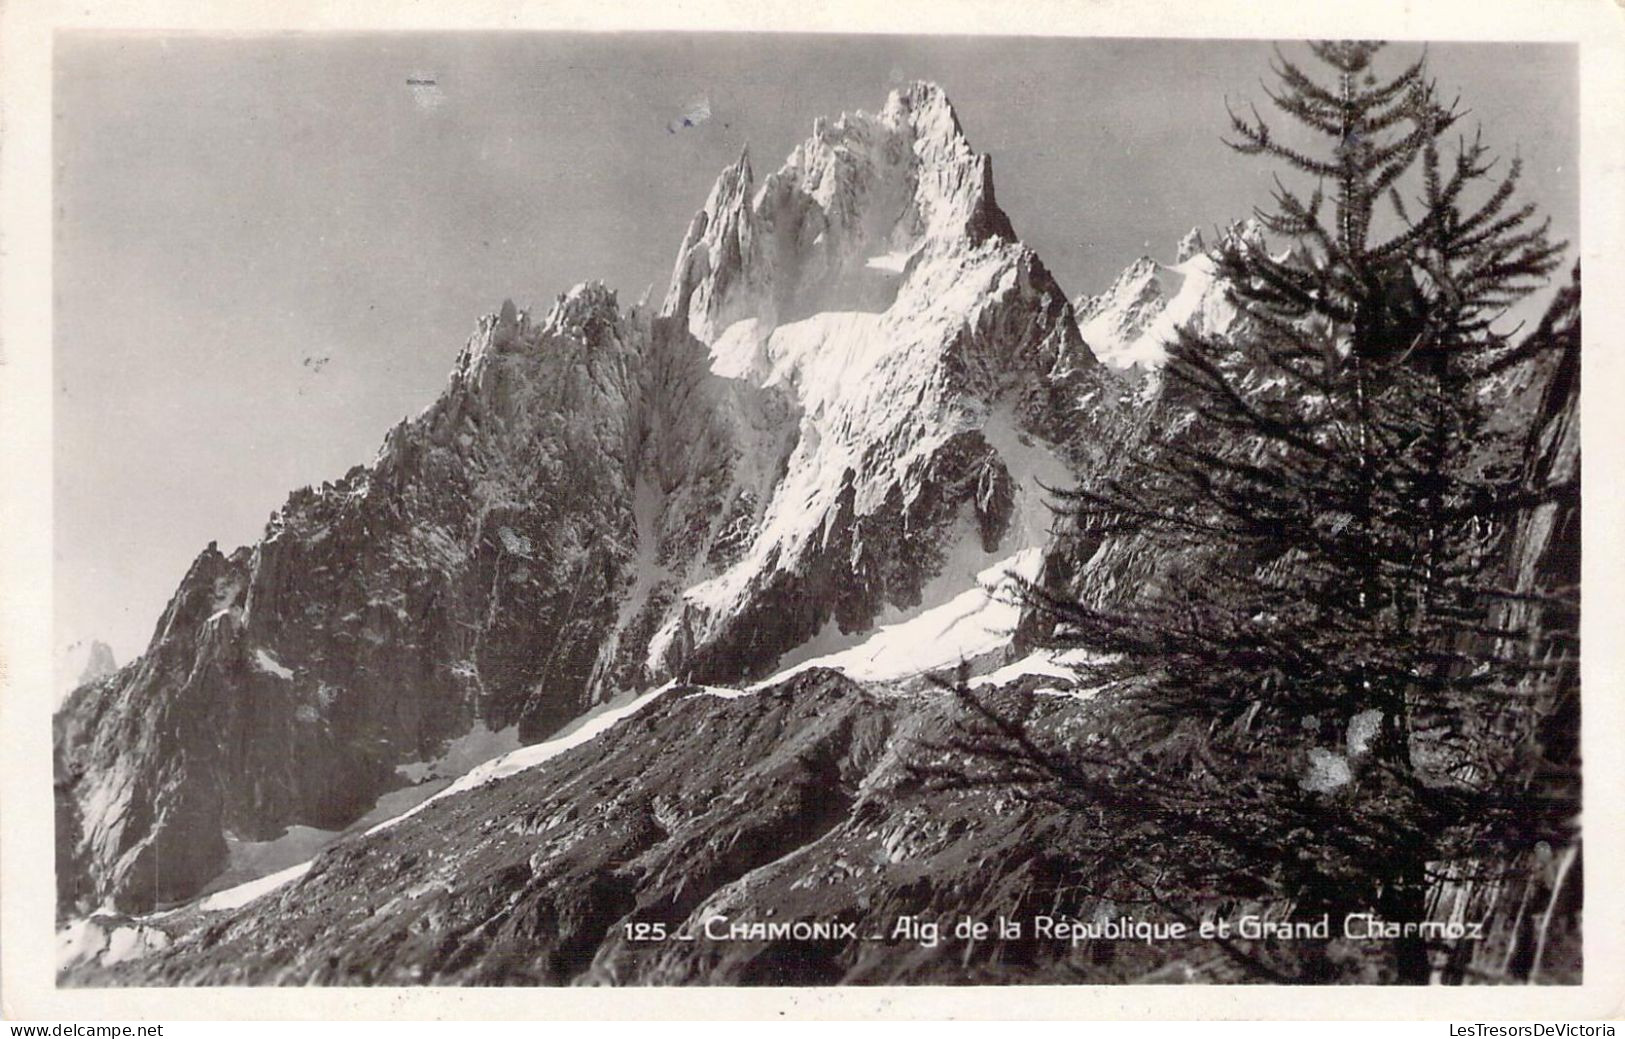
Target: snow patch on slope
column 970, row 625
column 242, row 894
column 251, row 865
column 271, row 666
column 250, row 860
column 478, row 745
column 893, row 262
column 94, row 940
column 583, row 729
column 819, row 361
column 1043, row 663
column 1133, row 323
column 1035, row 471
column 646, row 505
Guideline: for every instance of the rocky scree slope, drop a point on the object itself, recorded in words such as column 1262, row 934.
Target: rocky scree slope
column 792, row 803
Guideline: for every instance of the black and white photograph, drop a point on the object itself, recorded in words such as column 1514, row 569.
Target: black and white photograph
column 757, row 509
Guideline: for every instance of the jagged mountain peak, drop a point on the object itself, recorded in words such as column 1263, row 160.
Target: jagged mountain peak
column 731, row 191
column 921, row 108
column 836, row 224
column 1190, row 245
column 1130, row 325
column 926, row 106
column 584, row 302
column 1248, row 232
column 98, row 662
column 859, row 385
column 511, row 327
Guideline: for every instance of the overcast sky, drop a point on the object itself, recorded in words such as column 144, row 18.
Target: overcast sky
column 270, row 249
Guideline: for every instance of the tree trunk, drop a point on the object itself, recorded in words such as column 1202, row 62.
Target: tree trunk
column 1404, row 901
column 1565, row 863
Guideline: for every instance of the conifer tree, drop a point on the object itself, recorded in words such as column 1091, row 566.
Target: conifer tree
column 1299, row 706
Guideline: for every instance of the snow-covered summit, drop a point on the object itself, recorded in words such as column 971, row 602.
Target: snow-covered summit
column 1190, row 245
column 834, row 226
column 1131, row 324
column 917, row 361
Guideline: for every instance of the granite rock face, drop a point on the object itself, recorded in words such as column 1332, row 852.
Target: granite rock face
column 842, row 412
column 465, row 575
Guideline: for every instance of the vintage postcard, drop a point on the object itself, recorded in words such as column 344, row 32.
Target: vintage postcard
column 811, row 509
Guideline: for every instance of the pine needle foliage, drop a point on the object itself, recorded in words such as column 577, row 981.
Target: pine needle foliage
column 1320, row 706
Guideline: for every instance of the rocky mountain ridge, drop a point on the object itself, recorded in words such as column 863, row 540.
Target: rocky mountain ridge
column 840, row 417
column 1129, row 325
